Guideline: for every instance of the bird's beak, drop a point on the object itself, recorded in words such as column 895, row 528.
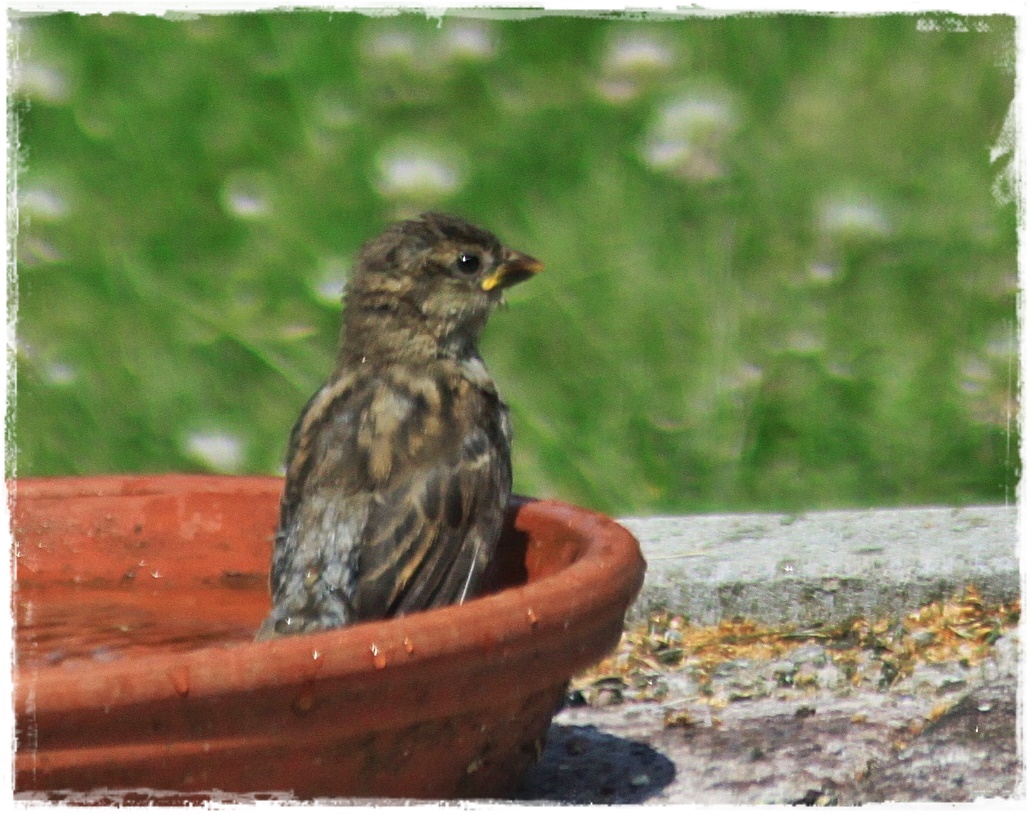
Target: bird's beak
column 514, row 268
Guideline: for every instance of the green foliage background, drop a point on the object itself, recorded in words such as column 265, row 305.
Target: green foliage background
column 781, row 265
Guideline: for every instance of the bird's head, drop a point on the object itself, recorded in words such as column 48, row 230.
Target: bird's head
column 426, row 286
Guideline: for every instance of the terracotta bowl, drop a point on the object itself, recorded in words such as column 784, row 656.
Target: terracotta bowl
column 136, row 603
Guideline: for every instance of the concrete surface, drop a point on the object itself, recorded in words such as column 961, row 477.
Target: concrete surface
column 823, row 566
column 948, row 733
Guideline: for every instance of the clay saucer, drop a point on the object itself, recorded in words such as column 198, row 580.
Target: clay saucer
column 136, row 602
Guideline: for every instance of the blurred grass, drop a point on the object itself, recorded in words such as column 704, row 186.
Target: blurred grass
column 778, row 272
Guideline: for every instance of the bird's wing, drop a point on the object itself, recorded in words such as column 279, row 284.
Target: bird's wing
column 394, row 498
column 429, row 538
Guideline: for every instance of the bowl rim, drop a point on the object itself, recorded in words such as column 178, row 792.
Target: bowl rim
column 607, row 574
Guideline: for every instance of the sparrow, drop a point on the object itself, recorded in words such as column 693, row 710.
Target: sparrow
column 398, row 469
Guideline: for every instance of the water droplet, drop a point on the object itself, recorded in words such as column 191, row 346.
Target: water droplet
column 180, row 677
column 378, row 658
column 409, row 646
column 531, row 616
column 311, row 669
column 787, row 566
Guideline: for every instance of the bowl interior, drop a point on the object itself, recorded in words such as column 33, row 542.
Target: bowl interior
column 108, row 568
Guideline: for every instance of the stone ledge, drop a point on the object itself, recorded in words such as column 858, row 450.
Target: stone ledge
column 824, row 566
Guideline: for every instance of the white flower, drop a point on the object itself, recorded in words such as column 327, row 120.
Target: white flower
column 45, row 201
column 853, row 216
column 466, row 40
column 687, row 137
column 333, row 109
column 331, row 279
column 32, row 76
column 630, row 60
column 219, row 451
column 822, row 272
column 392, row 45
column 635, row 54
column 247, row 196
column 40, row 82
column 60, row 373
column 417, row 172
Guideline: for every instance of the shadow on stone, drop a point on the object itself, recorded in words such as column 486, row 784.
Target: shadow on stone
column 971, row 753
column 584, row 765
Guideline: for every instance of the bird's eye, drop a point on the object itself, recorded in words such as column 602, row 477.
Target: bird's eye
column 468, row 263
